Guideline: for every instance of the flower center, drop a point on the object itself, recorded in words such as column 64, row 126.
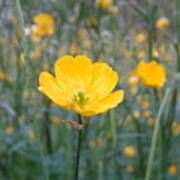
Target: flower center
column 80, row 98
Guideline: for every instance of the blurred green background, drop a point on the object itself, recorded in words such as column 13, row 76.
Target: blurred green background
column 34, row 143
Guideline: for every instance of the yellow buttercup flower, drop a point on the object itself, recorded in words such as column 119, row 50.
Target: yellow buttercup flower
column 130, row 168
column 162, row 23
column 55, row 120
column 113, row 9
column 140, row 38
column 147, row 114
column 172, row 169
column 96, row 143
column 43, row 19
column 176, row 128
column 129, row 151
column 82, row 86
column 151, row 73
column 43, row 25
column 9, row 130
column 151, row 121
column 104, row 4
column 35, row 35
column 133, row 80
column 2, row 76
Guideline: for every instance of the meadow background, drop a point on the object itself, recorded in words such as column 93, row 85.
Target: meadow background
column 35, row 144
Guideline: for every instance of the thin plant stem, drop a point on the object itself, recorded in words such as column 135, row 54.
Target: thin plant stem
column 21, row 57
column 18, row 4
column 24, row 42
column 78, row 152
column 155, row 135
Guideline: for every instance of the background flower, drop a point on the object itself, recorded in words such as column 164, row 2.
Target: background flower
column 151, row 73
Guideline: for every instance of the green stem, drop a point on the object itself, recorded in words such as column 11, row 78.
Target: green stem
column 20, row 70
column 78, row 154
column 18, row 4
column 155, row 135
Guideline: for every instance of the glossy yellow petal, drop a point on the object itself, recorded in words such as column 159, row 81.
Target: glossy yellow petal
column 44, row 19
column 103, row 81
column 83, row 68
column 74, row 72
column 49, row 87
column 64, row 69
column 105, row 104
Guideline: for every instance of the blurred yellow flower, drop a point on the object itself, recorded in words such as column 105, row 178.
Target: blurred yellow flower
column 145, row 104
column 56, row 120
column 133, row 80
column 96, row 143
column 9, row 130
column 162, row 23
column 5, row 77
column 147, row 114
column 136, row 114
column 92, row 21
column 113, row 9
column 155, row 53
column 176, row 128
column 172, row 169
column 35, row 36
column 104, row 4
column 129, row 151
column 140, row 38
column 2, row 76
column 151, row 73
column 74, row 48
column 31, row 134
column 151, row 121
column 83, row 33
column 43, row 19
column 45, row 67
column 140, row 53
column 130, row 168
column 22, row 118
column 43, row 25
column 82, row 86
column 168, row 58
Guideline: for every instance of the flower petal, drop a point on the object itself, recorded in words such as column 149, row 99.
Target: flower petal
column 83, row 68
column 107, row 103
column 50, row 88
column 103, row 81
column 64, row 69
column 75, row 71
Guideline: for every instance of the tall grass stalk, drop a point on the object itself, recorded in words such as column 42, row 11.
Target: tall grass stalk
column 155, row 135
